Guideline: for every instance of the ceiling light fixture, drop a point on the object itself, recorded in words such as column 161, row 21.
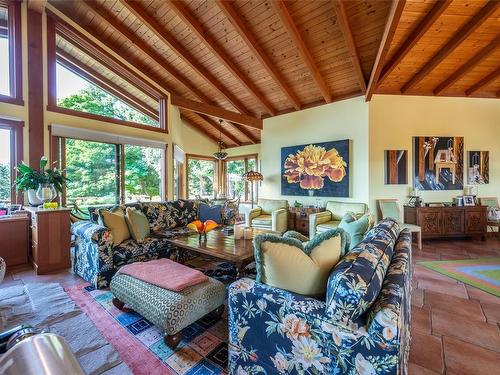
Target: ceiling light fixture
column 220, row 154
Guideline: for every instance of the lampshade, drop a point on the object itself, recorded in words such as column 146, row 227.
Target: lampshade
column 253, row 176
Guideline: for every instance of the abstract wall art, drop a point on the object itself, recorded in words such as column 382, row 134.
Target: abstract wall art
column 396, row 167
column 478, row 171
column 438, row 163
column 318, row 169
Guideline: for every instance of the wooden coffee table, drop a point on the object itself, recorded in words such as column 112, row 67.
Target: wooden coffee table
column 221, row 246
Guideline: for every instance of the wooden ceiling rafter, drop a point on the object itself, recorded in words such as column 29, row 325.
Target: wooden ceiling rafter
column 251, row 42
column 218, row 112
column 89, row 74
column 483, row 82
column 198, row 128
column 215, row 124
column 443, row 52
column 415, row 36
column 294, row 34
column 392, row 22
column 111, row 20
column 345, row 28
column 166, row 38
column 468, row 65
column 203, row 35
column 245, row 132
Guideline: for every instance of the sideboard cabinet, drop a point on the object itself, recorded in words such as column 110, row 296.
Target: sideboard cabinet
column 454, row 221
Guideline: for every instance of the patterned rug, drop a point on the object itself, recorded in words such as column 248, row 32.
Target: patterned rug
column 482, row 273
column 203, row 349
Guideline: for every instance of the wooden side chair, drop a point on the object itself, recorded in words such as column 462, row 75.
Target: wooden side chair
column 389, row 208
column 491, row 202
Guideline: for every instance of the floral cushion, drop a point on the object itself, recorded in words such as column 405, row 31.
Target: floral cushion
column 357, row 279
column 161, row 215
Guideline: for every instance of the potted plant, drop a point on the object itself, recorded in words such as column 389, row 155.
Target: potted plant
column 42, row 185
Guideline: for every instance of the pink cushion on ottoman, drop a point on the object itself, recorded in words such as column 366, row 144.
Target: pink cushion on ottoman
column 165, row 273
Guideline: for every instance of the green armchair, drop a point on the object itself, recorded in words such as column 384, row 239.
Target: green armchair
column 330, row 219
column 270, row 214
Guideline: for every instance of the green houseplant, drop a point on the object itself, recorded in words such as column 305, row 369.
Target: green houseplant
column 41, row 185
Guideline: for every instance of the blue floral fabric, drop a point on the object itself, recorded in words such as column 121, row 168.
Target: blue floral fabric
column 356, row 280
column 272, row 331
column 96, row 259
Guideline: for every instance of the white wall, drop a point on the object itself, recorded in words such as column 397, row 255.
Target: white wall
column 347, row 119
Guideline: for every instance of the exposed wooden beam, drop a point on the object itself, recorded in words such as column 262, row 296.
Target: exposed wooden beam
column 106, row 84
column 473, row 61
column 385, row 43
column 415, row 36
column 183, row 13
column 453, row 43
column 294, row 34
column 211, row 110
column 483, row 82
column 214, row 124
column 246, row 133
column 198, row 128
column 498, row 94
column 345, row 28
column 113, row 22
column 152, row 24
column 258, row 51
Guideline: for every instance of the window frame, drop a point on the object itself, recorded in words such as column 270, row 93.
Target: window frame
column 245, row 158
column 16, row 153
column 15, row 53
column 56, row 25
column 216, row 171
column 181, row 165
column 58, row 156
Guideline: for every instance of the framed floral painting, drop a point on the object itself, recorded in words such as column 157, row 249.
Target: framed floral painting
column 317, row 169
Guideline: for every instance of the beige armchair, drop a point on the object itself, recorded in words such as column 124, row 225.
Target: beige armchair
column 335, row 211
column 271, row 214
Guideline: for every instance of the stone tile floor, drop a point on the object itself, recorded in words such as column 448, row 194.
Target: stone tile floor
column 455, row 327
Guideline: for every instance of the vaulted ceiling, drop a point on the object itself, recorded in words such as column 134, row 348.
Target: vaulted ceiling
column 262, row 58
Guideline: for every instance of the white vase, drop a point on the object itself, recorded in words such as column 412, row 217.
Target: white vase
column 33, row 199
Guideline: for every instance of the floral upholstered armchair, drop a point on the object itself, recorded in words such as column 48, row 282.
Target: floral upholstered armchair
column 331, row 217
column 361, row 327
column 271, row 214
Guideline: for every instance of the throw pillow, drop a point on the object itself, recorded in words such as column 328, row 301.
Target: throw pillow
column 357, row 279
column 137, row 223
column 207, row 212
column 114, row 220
column 286, row 263
column 356, row 228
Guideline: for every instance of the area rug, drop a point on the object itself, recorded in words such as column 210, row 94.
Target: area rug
column 48, row 308
column 482, row 273
column 203, row 349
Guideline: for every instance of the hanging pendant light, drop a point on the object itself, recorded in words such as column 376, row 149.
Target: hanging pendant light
column 221, row 154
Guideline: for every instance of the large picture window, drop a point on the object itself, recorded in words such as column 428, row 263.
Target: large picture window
column 10, row 52
column 110, row 172
column 11, row 154
column 85, row 80
column 201, row 176
column 234, row 168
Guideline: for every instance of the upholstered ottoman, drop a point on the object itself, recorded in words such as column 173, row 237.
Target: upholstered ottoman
column 171, row 311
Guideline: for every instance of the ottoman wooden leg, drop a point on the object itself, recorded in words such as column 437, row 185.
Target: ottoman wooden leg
column 217, row 313
column 172, row 340
column 118, row 304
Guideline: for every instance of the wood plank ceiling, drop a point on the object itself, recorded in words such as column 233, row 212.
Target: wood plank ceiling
column 266, row 57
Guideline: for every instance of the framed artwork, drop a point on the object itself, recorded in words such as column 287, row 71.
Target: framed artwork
column 438, row 163
column 318, row 169
column 478, row 171
column 396, row 167
column 469, row 200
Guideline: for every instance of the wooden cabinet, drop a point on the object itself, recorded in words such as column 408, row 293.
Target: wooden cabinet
column 14, row 239
column 448, row 221
column 298, row 218
column 50, row 239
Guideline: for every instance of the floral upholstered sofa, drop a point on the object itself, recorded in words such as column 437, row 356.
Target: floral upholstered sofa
column 96, row 259
column 360, row 328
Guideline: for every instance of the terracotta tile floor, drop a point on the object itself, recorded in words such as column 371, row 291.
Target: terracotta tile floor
column 455, row 327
